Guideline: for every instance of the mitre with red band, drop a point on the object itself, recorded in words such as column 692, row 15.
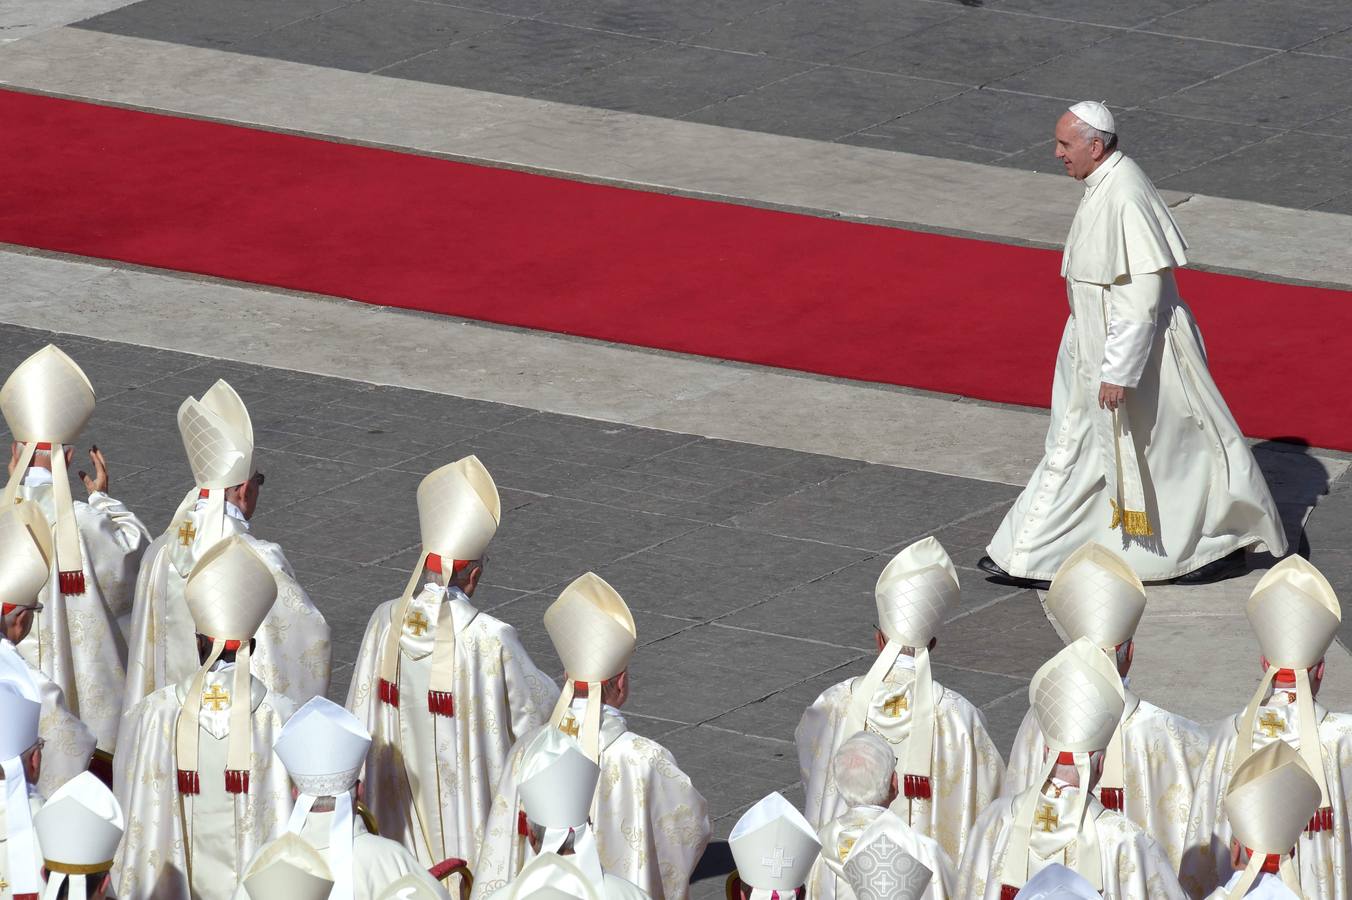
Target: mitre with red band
column 1270, row 799
column 25, row 556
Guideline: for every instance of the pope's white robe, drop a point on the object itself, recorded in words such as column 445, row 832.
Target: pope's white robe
column 78, row 641
column 34, row 804
column 178, row 846
column 1266, row 887
column 430, row 778
column 69, row 742
column 966, row 768
column 291, row 650
column 1163, row 754
column 827, row 879
column 650, row 823
column 1321, row 858
column 1201, row 488
column 1133, row 864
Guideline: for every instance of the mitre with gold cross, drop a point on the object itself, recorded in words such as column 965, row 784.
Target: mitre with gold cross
column 1096, row 595
column 594, row 634
column 773, row 847
column 46, row 402
column 1294, row 614
column 1271, row 798
column 458, row 514
column 1077, row 702
column 229, row 594
column 915, row 593
column 219, row 441
column 20, row 710
column 25, row 556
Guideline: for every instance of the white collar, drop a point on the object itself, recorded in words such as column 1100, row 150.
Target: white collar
column 1093, row 179
column 37, row 476
column 231, row 509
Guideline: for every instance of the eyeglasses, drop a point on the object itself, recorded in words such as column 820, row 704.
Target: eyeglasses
column 258, row 478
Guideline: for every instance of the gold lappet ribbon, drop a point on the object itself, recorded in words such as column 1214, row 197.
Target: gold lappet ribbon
column 1129, row 505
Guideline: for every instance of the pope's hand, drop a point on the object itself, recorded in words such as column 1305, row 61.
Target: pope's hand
column 100, row 480
column 1111, row 396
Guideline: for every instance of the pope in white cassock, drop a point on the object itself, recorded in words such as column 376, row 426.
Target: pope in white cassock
column 79, row 828
column 196, row 773
column 25, row 566
column 947, row 765
column 443, row 688
column 1077, row 698
column 287, row 869
column 291, row 649
column 774, row 848
column 1295, row 615
column 1154, row 756
column 21, row 762
column 324, row 747
column 1142, row 454
column 81, row 644
column 864, row 772
column 650, row 824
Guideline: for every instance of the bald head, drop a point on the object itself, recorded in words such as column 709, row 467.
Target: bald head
column 1080, row 146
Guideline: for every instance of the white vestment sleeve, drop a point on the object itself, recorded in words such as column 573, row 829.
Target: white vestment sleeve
column 1133, row 302
column 127, row 531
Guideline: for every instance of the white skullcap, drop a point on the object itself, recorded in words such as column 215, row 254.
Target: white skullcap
column 1094, row 114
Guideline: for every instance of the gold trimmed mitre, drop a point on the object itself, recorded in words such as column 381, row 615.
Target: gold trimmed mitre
column 1096, row 595
column 915, row 592
column 458, row 510
column 288, row 869
column 1076, row 699
column 1294, row 614
column 47, row 398
column 1271, row 799
column 217, row 437
column 25, row 554
column 80, row 826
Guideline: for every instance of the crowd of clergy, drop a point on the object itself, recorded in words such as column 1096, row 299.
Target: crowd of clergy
column 164, row 731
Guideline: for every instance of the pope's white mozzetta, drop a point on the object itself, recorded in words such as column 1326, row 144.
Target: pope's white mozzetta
column 79, row 828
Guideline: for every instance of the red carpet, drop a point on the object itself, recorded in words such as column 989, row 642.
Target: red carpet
column 859, row 301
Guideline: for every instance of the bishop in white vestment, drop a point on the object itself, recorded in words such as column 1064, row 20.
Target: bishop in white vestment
column 1294, row 614
column 21, row 761
column 81, row 642
column 79, row 828
column 443, row 688
column 953, row 770
column 291, row 654
column 1142, row 454
column 196, row 776
column 774, row 848
column 650, row 823
column 1153, row 758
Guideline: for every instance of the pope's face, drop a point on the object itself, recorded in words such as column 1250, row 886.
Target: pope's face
column 1074, row 152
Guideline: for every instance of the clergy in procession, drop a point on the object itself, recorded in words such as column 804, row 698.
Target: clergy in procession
column 947, row 766
column 864, row 771
column 879, row 868
column 291, row 649
column 1270, row 801
column 1150, row 763
column 196, row 774
column 1294, row 614
column 324, row 747
column 21, row 764
column 443, row 688
column 651, row 825
column 80, row 642
column 1142, row 452
column 774, row 848
column 1077, row 699
column 289, row 869
column 25, row 566
column 79, row 828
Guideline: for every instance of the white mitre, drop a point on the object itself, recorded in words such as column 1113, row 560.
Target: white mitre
column 915, row 594
column 1077, row 701
column 1095, row 114
column 218, row 439
column 410, row 887
column 1095, row 594
column 20, row 711
column 46, row 402
column 458, row 513
column 229, row 594
column 288, row 869
column 878, row 868
column 1056, row 882
column 773, row 846
column 1270, row 801
column 594, row 634
column 1294, row 614
column 25, row 555
column 550, row 877
column 557, row 785
column 323, row 747
column 78, row 829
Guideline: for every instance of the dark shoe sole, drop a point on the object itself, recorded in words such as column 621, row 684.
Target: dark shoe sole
column 1224, row 568
column 1000, row 576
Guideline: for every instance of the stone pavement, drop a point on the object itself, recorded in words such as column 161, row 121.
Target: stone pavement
column 1219, row 97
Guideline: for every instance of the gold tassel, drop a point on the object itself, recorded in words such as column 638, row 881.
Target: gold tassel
column 1136, row 522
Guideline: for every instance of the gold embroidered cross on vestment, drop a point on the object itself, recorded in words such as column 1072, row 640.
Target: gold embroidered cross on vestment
column 569, row 726
column 186, row 533
column 1047, row 818
column 218, row 698
column 895, row 705
column 1271, row 723
column 418, row 624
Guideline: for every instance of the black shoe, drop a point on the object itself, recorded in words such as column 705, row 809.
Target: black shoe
column 1226, row 567
column 1000, row 576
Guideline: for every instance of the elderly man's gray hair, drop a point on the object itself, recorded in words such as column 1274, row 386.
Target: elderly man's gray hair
column 863, row 769
column 1089, row 132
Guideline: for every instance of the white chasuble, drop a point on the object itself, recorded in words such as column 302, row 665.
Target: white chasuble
column 966, row 768
column 1132, row 864
column 1168, row 480
column 79, row 640
column 1162, row 752
column 650, row 823
column 1321, row 857
column 827, row 879
column 429, row 777
column 69, row 742
column 179, row 846
column 34, row 804
column 291, row 649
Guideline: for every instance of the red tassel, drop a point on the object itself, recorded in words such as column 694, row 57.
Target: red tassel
column 389, row 693
column 1008, row 892
column 1111, row 798
column 237, row 781
column 441, row 703
column 188, row 782
column 1322, row 820
column 917, row 787
column 522, row 828
column 72, row 583
column 25, row 896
